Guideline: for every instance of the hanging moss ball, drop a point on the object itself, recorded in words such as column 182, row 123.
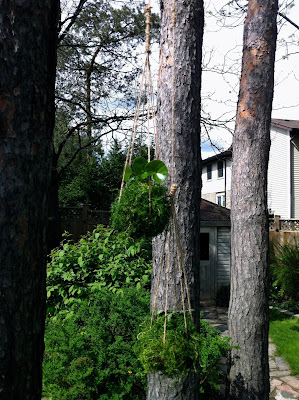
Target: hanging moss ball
column 138, row 215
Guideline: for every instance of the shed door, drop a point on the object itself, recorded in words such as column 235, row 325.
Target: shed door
column 207, row 263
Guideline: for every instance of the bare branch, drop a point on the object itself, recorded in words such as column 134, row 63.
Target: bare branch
column 72, row 20
column 288, row 20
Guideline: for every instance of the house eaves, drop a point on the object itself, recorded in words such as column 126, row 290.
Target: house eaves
column 287, row 124
column 220, row 156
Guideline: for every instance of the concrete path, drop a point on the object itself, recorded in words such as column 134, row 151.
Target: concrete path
column 284, row 386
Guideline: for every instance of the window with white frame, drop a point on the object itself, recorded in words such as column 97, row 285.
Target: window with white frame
column 220, row 199
column 220, row 169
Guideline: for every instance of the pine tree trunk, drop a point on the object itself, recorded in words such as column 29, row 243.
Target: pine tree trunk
column 187, row 164
column 249, row 310
column 28, row 32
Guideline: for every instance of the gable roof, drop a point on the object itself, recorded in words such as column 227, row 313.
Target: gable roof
column 220, row 156
column 212, row 212
column 288, row 124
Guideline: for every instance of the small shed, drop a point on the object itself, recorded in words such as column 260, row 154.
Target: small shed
column 214, row 249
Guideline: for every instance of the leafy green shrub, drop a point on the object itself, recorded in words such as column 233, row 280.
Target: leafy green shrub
column 136, row 214
column 89, row 348
column 285, row 271
column 180, row 353
column 101, row 259
column 223, row 296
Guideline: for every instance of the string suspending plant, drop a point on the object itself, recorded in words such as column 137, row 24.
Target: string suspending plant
column 168, row 340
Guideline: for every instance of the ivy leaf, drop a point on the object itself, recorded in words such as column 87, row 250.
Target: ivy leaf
column 139, row 165
column 128, row 173
column 158, row 170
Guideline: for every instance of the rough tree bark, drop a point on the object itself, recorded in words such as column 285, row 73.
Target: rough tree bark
column 248, row 312
column 28, row 31
column 187, row 164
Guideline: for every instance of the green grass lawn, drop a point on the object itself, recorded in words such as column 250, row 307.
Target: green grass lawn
column 284, row 331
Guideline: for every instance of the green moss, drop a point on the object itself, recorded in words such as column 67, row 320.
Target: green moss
column 138, row 215
column 181, row 352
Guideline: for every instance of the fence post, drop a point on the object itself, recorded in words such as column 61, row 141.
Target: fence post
column 84, row 218
column 277, row 223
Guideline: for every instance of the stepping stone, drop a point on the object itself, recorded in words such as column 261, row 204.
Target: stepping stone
column 211, row 315
column 282, row 365
column 222, row 328
column 282, row 395
column 292, row 381
column 213, row 321
column 223, row 360
column 272, row 349
column 279, row 374
column 272, row 365
column 222, row 317
column 222, row 310
column 225, row 333
column 286, row 390
column 274, row 383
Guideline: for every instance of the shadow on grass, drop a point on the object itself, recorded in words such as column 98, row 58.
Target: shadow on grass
column 276, row 315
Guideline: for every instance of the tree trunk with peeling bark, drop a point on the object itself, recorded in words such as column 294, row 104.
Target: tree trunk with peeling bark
column 249, row 309
column 28, row 33
column 187, row 164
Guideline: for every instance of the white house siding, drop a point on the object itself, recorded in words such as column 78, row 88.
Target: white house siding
column 210, row 188
column 279, row 190
column 295, row 177
column 223, row 256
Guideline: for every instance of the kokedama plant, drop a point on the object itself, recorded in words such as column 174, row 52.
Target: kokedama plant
column 182, row 351
column 143, row 208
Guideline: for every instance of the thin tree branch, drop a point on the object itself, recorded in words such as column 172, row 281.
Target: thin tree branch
column 289, row 20
column 72, row 20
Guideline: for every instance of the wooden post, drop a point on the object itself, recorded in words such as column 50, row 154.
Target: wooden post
column 277, row 223
column 85, row 210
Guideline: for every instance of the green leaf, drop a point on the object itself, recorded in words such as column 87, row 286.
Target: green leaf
column 158, row 170
column 139, row 165
column 97, row 235
column 144, row 175
column 128, row 173
column 128, row 280
column 80, row 261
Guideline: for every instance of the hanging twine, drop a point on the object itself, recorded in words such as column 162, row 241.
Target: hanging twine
column 148, row 25
column 146, row 83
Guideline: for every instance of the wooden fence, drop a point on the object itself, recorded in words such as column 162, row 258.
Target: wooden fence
column 283, row 231
column 79, row 220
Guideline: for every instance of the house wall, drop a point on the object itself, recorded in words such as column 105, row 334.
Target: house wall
column 212, row 197
column 295, row 177
column 215, row 272
column 214, row 186
column 223, row 257
column 279, row 173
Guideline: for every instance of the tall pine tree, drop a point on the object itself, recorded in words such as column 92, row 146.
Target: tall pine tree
column 28, row 32
column 249, row 309
column 180, row 58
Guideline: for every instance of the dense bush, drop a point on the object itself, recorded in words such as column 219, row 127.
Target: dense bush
column 101, row 259
column 285, row 272
column 89, row 348
column 138, row 215
column 180, row 353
